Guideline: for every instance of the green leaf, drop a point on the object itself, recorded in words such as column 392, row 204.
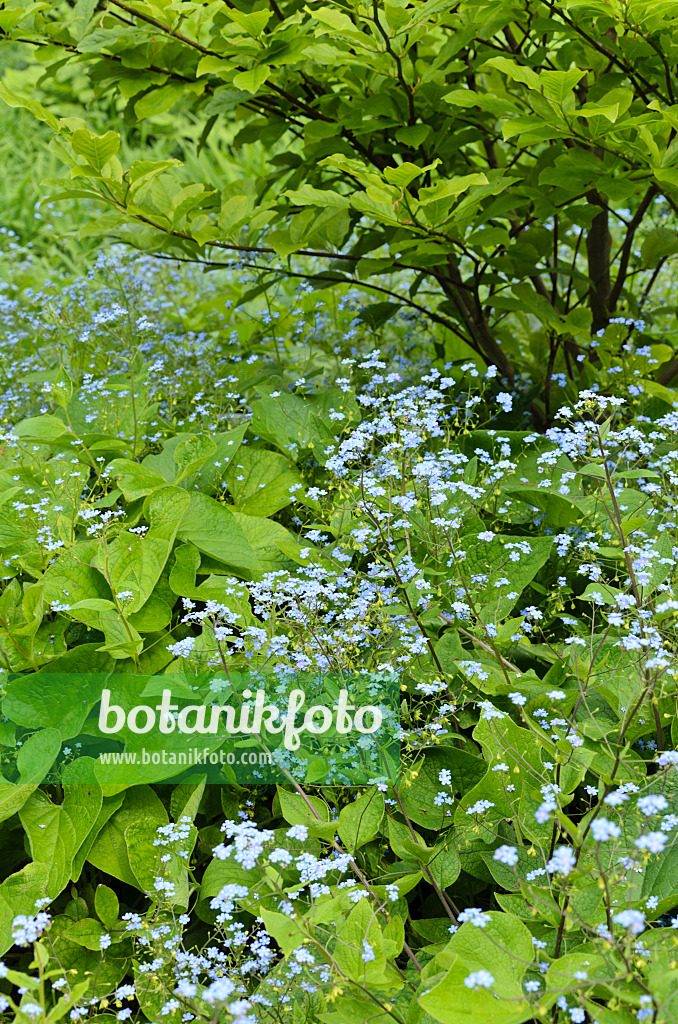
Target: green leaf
column 274, row 546
column 191, row 454
column 362, row 925
column 135, row 480
column 41, row 428
column 359, row 821
column 144, row 857
column 516, row 72
column 450, row 188
column 109, row 806
column 260, row 482
column 403, row 174
column 413, row 135
column 86, row 933
column 406, row 842
column 106, row 905
column 444, row 864
column 56, row 831
column 133, row 562
column 72, row 578
column 157, row 101
column 559, row 85
column 96, row 149
column 252, row 81
column 449, row 651
column 37, row 755
column 290, row 423
column 658, row 244
column 18, row 894
column 219, row 873
column 494, row 560
column 234, row 210
column 378, row 313
column 35, row 701
column 214, row 529
column 186, row 798
column 659, row 391
column 562, row 511
column 153, row 616
column 504, row 947
column 109, row 852
column 281, row 241
column 592, row 469
column 288, row 932
column 309, row 810
column 35, row 108
column 211, row 473
column 334, row 19
column 309, row 196
column 418, row 798
column 254, row 23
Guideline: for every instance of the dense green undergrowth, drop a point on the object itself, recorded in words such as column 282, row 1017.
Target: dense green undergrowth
column 187, row 487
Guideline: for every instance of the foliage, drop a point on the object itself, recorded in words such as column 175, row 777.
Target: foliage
column 510, row 165
column 263, row 470
column 521, row 584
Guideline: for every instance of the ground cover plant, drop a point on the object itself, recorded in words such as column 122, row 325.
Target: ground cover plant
column 261, row 470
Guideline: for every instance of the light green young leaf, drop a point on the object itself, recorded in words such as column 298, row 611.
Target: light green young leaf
column 252, row 81
column 96, row 149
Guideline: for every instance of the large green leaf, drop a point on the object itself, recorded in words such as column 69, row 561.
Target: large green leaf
column 41, row 700
column 72, row 577
column 182, row 580
column 504, row 948
column 208, row 471
column 57, row 831
column 419, row 798
column 96, row 149
column 262, row 482
column 291, row 423
column 362, row 925
column 135, row 480
column 215, row 530
column 133, row 563
column 191, row 453
column 144, row 857
column 359, row 821
column 109, row 851
column 18, row 894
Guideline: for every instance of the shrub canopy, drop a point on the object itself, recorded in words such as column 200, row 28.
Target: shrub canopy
column 516, row 161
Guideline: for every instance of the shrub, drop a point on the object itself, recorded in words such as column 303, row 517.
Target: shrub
column 511, row 166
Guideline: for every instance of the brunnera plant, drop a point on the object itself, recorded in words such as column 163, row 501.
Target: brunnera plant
column 509, row 167
column 522, row 587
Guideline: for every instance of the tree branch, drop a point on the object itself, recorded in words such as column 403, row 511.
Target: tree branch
column 598, row 245
column 627, row 247
column 472, row 316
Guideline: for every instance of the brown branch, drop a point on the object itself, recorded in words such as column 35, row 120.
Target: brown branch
column 633, row 74
column 468, row 306
column 627, row 247
column 598, row 246
column 399, row 67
